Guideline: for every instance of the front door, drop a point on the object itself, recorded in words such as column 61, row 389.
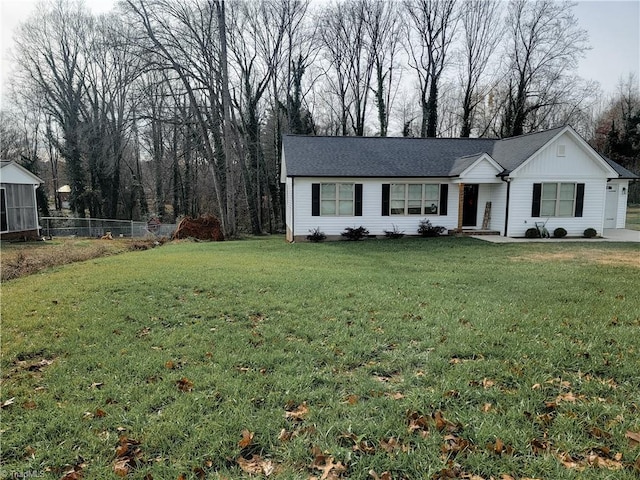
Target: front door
column 470, row 205
column 611, row 206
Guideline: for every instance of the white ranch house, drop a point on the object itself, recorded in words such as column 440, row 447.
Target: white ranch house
column 464, row 184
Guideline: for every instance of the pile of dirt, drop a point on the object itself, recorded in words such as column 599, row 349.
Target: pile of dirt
column 205, row 227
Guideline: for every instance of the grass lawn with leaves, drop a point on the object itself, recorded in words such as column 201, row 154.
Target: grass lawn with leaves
column 411, row 358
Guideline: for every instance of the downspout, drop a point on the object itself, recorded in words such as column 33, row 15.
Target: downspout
column 506, row 210
column 293, row 210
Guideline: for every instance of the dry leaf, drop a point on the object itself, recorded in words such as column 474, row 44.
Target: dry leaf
column 299, row 413
column 247, row 439
column 329, row 469
column 384, row 476
column 121, row 467
column 8, row 403
column 634, row 438
column 352, row 399
column 256, row 465
column 184, row 384
column 486, row 407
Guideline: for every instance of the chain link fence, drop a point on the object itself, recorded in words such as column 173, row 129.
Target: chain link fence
column 98, row 227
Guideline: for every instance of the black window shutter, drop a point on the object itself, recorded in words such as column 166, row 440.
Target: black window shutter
column 444, row 196
column 537, row 195
column 358, row 203
column 315, row 199
column 385, row 199
column 579, row 199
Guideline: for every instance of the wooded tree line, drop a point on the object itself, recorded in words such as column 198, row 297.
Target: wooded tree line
column 177, row 107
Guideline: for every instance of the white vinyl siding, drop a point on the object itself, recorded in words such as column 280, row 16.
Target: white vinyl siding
column 372, row 219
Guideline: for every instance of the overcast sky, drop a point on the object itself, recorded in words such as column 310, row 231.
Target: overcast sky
column 613, row 26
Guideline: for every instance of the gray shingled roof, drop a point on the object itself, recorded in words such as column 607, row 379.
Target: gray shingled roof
column 623, row 172
column 312, row 156
column 377, row 157
column 510, row 153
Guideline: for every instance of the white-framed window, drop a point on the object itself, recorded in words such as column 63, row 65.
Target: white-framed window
column 414, row 199
column 558, row 200
column 337, row 199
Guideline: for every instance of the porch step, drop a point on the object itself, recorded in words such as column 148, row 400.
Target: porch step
column 468, row 233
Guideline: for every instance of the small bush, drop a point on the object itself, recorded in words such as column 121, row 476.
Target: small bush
column 316, row 235
column 355, row 233
column 532, row 233
column 425, row 229
column 395, row 233
column 559, row 233
column 590, row 233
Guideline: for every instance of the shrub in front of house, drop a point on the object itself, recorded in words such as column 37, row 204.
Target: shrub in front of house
column 425, row 229
column 395, row 233
column 353, row 234
column 532, row 233
column 316, row 235
column 590, row 233
column 559, row 233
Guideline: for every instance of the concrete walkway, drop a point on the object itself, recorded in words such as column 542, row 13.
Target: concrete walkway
column 609, row 235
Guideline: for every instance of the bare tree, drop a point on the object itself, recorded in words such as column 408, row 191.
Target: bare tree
column 50, row 55
column 432, row 28
column 183, row 36
column 482, row 31
column 384, row 31
column 544, row 45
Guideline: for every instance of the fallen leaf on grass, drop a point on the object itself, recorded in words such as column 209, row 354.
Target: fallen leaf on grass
column 184, row 384
column 247, row 439
column 634, row 438
column 500, row 448
column 395, row 396
column 442, row 424
column 384, row 476
column 592, row 459
column 352, row 399
column 358, row 444
column 286, row 435
column 299, row 413
column 74, row 472
column 454, row 445
column 128, row 456
column 256, row 465
column 330, row 470
column 8, row 403
column 392, row 445
column 568, row 397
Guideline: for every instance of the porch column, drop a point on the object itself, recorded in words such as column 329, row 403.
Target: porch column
column 460, row 205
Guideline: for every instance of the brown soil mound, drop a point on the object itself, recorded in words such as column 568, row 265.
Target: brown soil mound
column 205, row 227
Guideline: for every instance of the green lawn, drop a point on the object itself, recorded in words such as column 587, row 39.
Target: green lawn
column 633, row 217
column 412, row 358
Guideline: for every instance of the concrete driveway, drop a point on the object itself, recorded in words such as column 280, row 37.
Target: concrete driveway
column 609, row 235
